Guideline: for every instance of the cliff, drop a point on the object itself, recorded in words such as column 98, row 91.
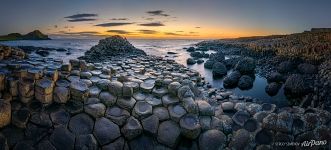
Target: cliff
column 34, row 35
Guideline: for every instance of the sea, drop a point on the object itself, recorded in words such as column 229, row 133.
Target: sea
column 157, row 47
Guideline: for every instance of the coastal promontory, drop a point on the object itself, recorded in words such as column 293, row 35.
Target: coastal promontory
column 34, row 35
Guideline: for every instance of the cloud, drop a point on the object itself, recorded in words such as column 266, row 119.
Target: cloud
column 119, row 31
column 112, row 24
column 81, row 20
column 179, row 31
column 119, row 19
column 83, row 33
column 157, row 13
column 149, row 19
column 198, row 27
column 177, row 34
column 147, row 31
column 152, row 24
column 81, row 16
column 193, row 32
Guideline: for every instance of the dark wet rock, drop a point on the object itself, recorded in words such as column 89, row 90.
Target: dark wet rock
column 264, row 137
column 169, row 133
column 190, row 105
column 85, row 75
column 118, row 144
column 78, row 90
column 132, row 128
column 111, row 46
column 212, row 140
column 205, row 109
column 3, row 142
column 21, row 117
column 251, row 125
column 275, row 77
column 173, row 88
column 45, row 144
column 169, row 100
column 151, row 124
column 115, row 88
column 305, row 68
column 254, row 108
column 205, row 122
column 74, row 107
column 103, row 84
column 184, row 92
column 81, row 124
column 61, row 94
column 231, row 62
column 62, row 139
column 200, row 61
column 162, row 113
column 142, row 110
column 86, row 141
column 227, row 106
column 126, row 103
column 187, row 144
column 245, row 82
column 227, row 123
column 94, row 91
column 268, row 107
column 146, row 87
column 190, row 61
column 153, row 100
column 176, row 112
column 196, row 54
column 270, row 121
column 241, row 140
column 41, row 119
column 13, row 135
column 231, row 80
column 60, row 117
column 159, row 92
column 127, row 90
column 35, row 132
column 107, row 98
column 117, row 115
column 246, row 65
column 311, row 121
column 95, row 110
column 190, row 126
column 272, row 88
column 25, row 144
column 190, row 49
column 139, row 96
column 284, row 122
column 285, row 66
column 240, row 117
column 147, row 143
column 209, row 64
column 42, row 53
column 105, row 131
column 217, row 57
column 295, row 85
column 219, row 69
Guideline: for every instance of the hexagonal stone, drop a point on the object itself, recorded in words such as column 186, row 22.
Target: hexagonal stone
column 103, row 84
column 227, row 123
column 212, row 140
column 44, row 86
column 176, row 112
column 139, row 96
column 74, row 107
column 169, row 100
column 26, row 90
column 162, row 113
column 20, row 117
column 60, row 117
column 228, row 106
column 78, row 90
column 133, row 85
column 117, row 115
column 81, row 124
column 105, row 131
column 147, row 87
column 205, row 108
column 190, row 105
column 142, row 110
column 241, row 140
column 116, row 88
column 154, row 101
column 61, row 138
column 94, row 91
column 151, row 124
column 45, row 144
column 132, row 128
column 85, row 75
column 126, row 103
column 41, row 119
column 173, row 88
column 61, row 94
column 62, row 83
column 185, row 91
column 240, row 117
column 107, row 98
column 190, row 126
column 159, row 92
column 95, row 110
column 168, row 133
column 205, row 122
column 86, row 141
column 127, row 90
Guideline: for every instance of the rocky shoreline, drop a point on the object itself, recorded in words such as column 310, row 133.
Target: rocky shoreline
column 137, row 101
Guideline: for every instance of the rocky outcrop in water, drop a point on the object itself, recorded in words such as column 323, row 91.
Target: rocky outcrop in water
column 111, row 46
column 34, row 35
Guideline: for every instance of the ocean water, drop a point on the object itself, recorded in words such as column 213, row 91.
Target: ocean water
column 157, row 47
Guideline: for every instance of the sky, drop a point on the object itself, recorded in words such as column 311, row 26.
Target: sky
column 164, row 19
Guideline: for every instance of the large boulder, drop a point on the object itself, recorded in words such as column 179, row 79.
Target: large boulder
column 245, row 82
column 111, row 46
column 285, row 66
column 219, row 69
column 209, row 64
column 212, row 140
column 273, row 88
column 295, row 85
column 217, row 57
column 232, row 79
column 306, row 68
column 190, row 61
column 246, row 65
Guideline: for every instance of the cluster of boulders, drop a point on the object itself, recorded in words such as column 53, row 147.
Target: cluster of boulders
column 11, row 52
column 111, row 46
column 197, row 55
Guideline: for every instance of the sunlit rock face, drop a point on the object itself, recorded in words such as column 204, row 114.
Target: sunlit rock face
column 112, row 46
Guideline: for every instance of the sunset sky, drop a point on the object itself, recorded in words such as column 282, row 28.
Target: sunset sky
column 198, row 19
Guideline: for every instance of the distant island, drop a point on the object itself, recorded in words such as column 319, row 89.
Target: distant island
column 34, row 35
